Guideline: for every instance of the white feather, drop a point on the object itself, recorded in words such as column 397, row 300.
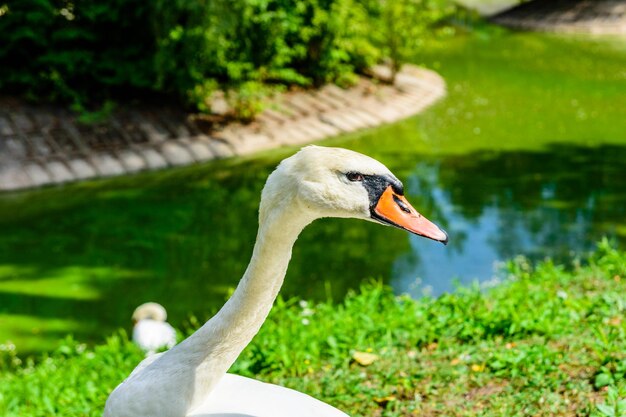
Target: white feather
column 235, row 396
column 152, row 335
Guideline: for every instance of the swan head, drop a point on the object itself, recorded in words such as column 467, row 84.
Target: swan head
column 149, row 311
column 333, row 182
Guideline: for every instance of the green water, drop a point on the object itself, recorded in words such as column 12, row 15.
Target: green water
column 525, row 155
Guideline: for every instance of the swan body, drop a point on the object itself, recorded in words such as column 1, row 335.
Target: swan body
column 190, row 379
column 151, row 332
column 238, row 396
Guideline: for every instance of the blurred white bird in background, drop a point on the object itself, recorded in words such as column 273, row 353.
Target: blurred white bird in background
column 151, row 332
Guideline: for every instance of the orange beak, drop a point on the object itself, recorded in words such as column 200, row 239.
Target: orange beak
column 395, row 210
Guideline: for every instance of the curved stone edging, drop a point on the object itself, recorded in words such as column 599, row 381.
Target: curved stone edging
column 45, row 145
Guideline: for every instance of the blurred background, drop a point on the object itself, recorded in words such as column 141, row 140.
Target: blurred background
column 524, row 156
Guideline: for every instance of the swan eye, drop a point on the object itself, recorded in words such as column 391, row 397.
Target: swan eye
column 354, row 176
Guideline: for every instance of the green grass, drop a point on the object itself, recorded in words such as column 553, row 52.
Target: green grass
column 547, row 342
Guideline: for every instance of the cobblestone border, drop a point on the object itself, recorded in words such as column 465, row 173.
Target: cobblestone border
column 45, row 145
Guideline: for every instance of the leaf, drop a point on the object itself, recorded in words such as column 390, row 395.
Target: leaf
column 602, row 380
column 606, row 410
column 364, row 358
column 332, row 342
column 382, row 401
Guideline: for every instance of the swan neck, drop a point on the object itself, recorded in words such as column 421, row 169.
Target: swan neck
column 220, row 341
column 260, row 284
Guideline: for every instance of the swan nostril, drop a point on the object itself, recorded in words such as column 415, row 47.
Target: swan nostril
column 401, row 204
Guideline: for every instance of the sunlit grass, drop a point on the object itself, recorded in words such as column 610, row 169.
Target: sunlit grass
column 547, row 342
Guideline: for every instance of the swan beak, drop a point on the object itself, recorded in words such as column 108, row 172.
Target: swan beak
column 395, row 210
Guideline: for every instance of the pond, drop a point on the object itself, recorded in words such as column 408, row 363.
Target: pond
column 526, row 155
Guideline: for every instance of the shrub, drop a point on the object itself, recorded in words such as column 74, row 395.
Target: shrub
column 243, row 43
column 402, row 26
column 76, row 52
column 89, row 51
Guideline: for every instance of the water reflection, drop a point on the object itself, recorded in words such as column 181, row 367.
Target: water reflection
column 497, row 205
column 81, row 259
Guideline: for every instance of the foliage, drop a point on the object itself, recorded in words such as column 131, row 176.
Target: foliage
column 76, row 52
column 87, row 52
column 403, row 26
column 72, row 381
column 241, row 44
column 615, row 405
column 532, row 346
column 246, row 101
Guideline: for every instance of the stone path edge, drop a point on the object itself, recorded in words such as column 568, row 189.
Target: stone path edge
column 42, row 145
column 596, row 17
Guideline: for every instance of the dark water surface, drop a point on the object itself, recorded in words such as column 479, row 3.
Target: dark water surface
column 556, row 203
column 527, row 155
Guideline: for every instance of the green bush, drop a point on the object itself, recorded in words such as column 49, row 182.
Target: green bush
column 76, row 52
column 243, row 43
column 91, row 51
column 403, row 25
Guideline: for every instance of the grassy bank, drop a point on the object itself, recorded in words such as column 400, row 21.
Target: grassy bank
column 546, row 342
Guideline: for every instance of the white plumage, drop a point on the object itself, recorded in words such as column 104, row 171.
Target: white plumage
column 151, row 332
column 237, row 396
column 190, row 379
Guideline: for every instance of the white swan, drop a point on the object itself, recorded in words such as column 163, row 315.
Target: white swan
column 190, row 379
column 151, row 332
